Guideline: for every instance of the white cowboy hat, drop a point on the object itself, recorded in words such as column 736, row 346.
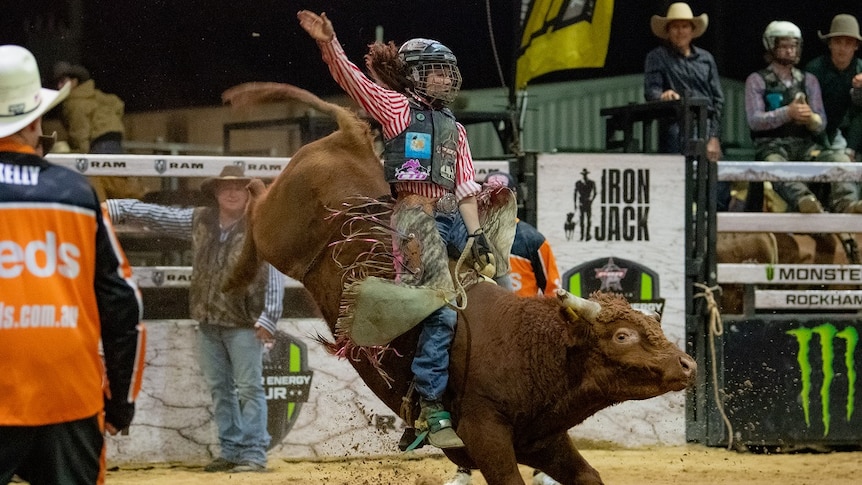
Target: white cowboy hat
column 679, row 11
column 843, row 25
column 22, row 97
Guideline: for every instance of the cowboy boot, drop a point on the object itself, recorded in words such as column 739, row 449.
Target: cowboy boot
column 438, row 423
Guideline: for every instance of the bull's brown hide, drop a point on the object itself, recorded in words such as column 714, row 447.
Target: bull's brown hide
column 522, row 370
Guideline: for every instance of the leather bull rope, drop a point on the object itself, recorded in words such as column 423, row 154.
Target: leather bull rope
column 716, row 329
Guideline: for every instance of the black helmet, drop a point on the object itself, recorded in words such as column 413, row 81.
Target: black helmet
column 424, row 56
column 426, row 50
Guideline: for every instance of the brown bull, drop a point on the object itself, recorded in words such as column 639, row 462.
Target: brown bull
column 523, row 371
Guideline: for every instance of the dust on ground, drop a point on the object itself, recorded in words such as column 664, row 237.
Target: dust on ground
column 689, row 465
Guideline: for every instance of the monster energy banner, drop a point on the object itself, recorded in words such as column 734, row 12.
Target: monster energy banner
column 793, row 381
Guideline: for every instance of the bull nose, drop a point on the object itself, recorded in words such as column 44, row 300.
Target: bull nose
column 689, row 367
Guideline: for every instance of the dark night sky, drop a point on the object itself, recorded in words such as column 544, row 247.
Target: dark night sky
column 160, row 54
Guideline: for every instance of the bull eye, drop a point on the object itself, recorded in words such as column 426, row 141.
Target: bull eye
column 625, row 336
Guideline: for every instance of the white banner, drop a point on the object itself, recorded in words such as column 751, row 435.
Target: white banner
column 616, row 223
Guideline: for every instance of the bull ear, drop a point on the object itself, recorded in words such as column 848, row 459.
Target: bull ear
column 582, row 308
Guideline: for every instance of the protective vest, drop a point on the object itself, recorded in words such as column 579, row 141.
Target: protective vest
column 426, row 151
column 213, row 259
column 776, row 95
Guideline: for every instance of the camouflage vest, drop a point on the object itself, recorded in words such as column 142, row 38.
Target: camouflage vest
column 426, row 151
column 213, row 259
column 776, row 95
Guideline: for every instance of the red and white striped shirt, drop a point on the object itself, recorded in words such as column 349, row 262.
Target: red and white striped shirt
column 392, row 110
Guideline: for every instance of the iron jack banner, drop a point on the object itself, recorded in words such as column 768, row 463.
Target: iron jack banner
column 615, row 222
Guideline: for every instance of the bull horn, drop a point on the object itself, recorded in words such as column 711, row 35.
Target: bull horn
column 586, row 309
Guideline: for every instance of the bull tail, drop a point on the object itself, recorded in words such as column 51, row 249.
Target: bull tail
column 245, row 95
column 249, row 261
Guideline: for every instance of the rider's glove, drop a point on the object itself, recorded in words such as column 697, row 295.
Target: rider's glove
column 483, row 255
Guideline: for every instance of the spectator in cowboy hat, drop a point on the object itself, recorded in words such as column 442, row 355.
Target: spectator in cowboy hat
column 677, row 68
column 840, row 77
column 233, row 328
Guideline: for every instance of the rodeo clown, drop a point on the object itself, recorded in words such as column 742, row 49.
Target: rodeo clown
column 426, row 155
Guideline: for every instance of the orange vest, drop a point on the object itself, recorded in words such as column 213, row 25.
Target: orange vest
column 51, row 370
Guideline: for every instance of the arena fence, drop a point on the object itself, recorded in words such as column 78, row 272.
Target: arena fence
column 192, row 166
column 784, row 370
column 825, row 297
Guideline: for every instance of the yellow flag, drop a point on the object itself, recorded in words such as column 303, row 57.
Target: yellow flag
column 563, row 34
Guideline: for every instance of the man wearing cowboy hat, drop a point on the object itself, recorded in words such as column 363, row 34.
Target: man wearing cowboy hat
column 234, row 328
column 677, row 68
column 65, row 291
column 840, row 76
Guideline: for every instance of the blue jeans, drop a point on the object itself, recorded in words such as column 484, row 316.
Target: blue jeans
column 431, row 363
column 232, row 362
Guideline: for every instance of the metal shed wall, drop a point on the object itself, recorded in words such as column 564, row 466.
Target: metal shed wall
column 565, row 116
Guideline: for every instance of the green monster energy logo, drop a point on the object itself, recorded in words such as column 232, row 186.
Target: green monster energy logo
column 827, row 333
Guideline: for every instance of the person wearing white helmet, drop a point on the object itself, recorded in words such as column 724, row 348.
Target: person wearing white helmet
column 785, row 113
column 427, row 156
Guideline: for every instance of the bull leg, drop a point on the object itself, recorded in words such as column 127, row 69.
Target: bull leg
column 559, row 459
column 489, row 442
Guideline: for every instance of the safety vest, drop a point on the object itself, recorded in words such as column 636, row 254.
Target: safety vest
column 426, row 151
column 776, row 95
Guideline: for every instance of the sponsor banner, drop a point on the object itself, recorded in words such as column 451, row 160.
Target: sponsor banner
column 616, row 223
column 784, row 274
column 485, row 167
column 200, row 166
column 563, row 35
column 832, row 300
column 167, row 165
column 176, row 277
column 317, row 406
column 793, row 379
column 286, row 382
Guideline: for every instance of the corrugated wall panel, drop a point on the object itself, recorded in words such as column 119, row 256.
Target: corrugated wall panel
column 567, row 115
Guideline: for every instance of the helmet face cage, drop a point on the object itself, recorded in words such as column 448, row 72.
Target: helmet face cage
column 432, row 69
column 429, row 80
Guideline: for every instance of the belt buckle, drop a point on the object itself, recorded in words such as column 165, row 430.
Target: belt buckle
column 447, row 204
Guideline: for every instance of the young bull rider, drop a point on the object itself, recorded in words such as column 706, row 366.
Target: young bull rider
column 426, row 154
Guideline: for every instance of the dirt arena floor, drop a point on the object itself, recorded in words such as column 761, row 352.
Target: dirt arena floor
column 689, row 465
